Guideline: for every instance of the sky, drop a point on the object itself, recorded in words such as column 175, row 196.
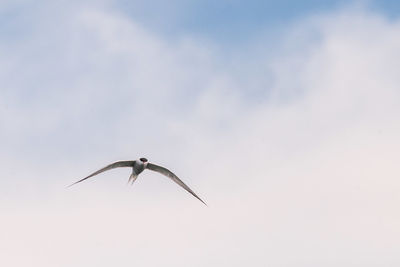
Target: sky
column 282, row 116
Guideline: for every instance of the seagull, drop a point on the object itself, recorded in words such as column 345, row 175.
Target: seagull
column 138, row 166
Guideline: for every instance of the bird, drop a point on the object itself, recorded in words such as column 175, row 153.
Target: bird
column 138, row 166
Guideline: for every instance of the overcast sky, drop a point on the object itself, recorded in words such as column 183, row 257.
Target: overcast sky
column 283, row 116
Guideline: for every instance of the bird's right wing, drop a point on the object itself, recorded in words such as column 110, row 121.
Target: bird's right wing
column 173, row 177
column 108, row 167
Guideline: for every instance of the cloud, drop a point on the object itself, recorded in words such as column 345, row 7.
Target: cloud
column 296, row 148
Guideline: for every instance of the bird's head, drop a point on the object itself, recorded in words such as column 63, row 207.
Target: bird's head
column 144, row 160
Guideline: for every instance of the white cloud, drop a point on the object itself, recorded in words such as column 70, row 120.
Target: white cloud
column 300, row 165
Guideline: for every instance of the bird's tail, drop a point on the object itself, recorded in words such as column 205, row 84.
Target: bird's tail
column 132, row 178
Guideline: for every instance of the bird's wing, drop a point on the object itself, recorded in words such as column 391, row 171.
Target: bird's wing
column 108, row 167
column 173, row 177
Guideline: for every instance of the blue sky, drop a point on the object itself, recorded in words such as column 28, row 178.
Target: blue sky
column 234, row 20
column 219, row 20
column 283, row 117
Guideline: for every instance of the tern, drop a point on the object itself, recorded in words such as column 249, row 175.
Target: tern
column 138, row 166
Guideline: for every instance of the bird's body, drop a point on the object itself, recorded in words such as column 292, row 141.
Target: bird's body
column 138, row 166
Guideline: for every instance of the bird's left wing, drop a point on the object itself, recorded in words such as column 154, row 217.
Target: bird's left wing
column 173, row 177
column 108, row 167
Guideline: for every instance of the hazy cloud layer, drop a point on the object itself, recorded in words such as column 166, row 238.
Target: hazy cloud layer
column 295, row 150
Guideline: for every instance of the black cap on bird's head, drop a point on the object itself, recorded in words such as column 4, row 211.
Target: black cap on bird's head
column 144, row 160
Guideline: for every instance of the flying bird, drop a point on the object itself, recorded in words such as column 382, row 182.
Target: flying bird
column 138, row 166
